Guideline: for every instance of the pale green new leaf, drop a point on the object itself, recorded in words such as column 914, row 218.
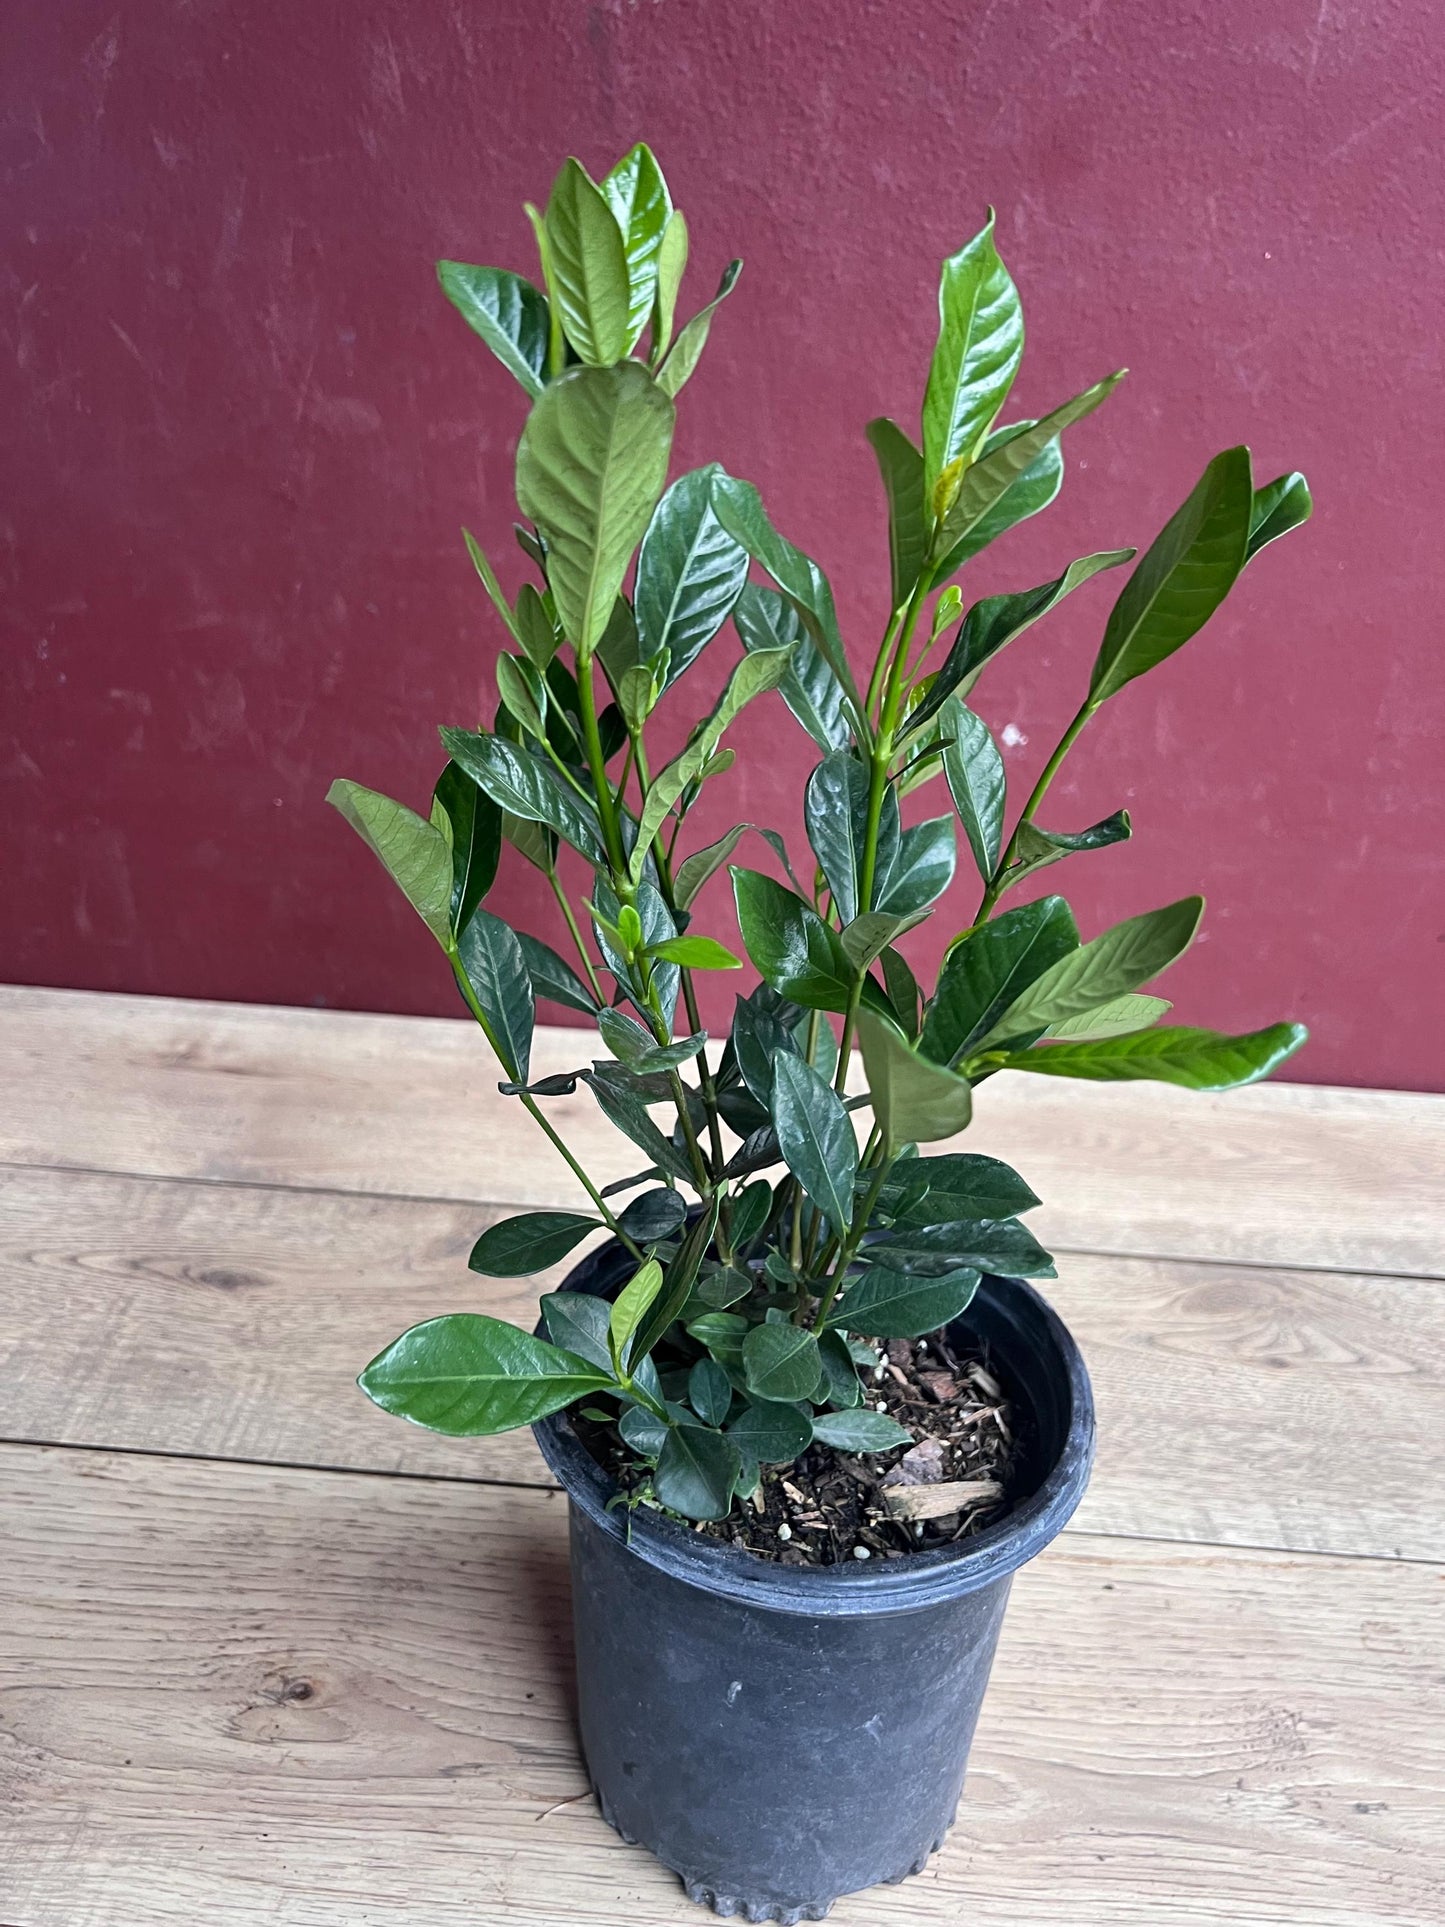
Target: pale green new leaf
column 686, row 351
column 630, row 1307
column 587, row 261
column 980, row 344
column 416, row 854
column 671, row 264
column 901, row 467
column 637, row 194
column 1112, row 1020
column 1198, row 1060
column 492, row 586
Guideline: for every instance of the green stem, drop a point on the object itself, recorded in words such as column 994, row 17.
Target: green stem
column 850, row 1245
column 561, row 895
column 605, row 800
column 997, row 885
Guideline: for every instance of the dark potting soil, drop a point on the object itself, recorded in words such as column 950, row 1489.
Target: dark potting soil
column 957, row 1476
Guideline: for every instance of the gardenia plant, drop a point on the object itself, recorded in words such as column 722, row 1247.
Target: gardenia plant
column 771, row 1249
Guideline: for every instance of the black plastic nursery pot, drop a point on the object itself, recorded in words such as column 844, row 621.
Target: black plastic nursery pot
column 782, row 1735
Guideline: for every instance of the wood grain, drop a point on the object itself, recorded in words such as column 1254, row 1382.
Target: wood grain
column 1295, row 1175
column 1240, row 1406
column 325, row 1700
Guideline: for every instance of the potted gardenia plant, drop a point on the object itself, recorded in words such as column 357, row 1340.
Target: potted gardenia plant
column 808, row 1411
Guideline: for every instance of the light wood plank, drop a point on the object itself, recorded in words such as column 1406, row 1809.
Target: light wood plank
column 1245, row 1407
column 324, row 1700
column 1295, row 1175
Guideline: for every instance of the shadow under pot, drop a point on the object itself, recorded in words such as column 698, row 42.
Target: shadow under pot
column 780, row 1735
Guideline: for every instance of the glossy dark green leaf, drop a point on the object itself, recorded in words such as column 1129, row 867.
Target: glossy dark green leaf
column 697, row 953
column 645, row 1433
column 904, row 993
column 921, row 870
column 980, row 344
column 587, row 262
column 988, row 481
column 793, row 949
column 760, row 1036
column 770, row 1431
column 993, row 623
column 629, row 1114
column 987, row 970
column 654, row 1215
column 690, row 572
column 507, row 312
column 629, row 1308
column 841, row 1383
column 657, row 927
column 470, row 1376
column 415, row 853
column 577, row 1322
column 535, row 628
column 1278, row 507
column 860, row 1431
column 765, row 620
column 816, row 1137
column 525, row 786
column 957, row 1185
column 709, row 1391
column 591, row 465
column 1182, row 577
column 1036, row 849
column 518, row 1246
column 639, row 1049
column 722, row 1332
column 884, row 1304
column 750, row 1212
column 1108, row 966
column 475, row 825
column 554, row 979
column 1199, row 1060
column 937, row 1250
column 915, row 1101
column 681, row 1276
column 975, row 773
column 781, row 1362
column 1031, row 491
column 695, row 1472
column 739, row 508
column 835, row 814
column 637, row 194
column 901, row 467
column 492, row 959
column 686, row 351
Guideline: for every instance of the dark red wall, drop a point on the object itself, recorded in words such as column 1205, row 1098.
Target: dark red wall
column 242, row 428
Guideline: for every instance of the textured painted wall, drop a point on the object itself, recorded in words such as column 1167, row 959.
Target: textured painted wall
column 242, row 428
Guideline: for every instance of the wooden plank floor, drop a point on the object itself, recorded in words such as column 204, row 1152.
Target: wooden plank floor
column 269, row 1657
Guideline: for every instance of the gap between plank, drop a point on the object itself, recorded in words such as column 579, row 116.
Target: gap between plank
column 555, row 1491
column 506, row 1204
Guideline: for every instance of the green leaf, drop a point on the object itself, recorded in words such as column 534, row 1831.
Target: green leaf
column 760, row 1037
column 690, row 572
column 637, row 194
column 524, row 694
column 1109, row 1020
column 722, row 1332
column 490, row 583
column 766, row 620
column 914, row 1101
column 1278, row 507
column 770, row 1431
column 629, row 1114
column 677, row 369
column 654, row 1215
column 554, row 979
column 490, row 955
column 868, row 936
column 974, row 769
column 1199, row 1060
column 470, row 1376
column 697, row 953
column 1031, row 491
column 507, row 312
column 903, row 991
column 587, row 262
column 793, row 949
column 629, row 1308
column 958, row 1185
column 590, row 467
column 536, row 630
column 841, row 1382
column 518, row 1246
column 1182, row 577
column 988, row 969
column 992, row 476
column 695, row 871
column 781, row 1362
column 901, row 467
column 1106, row 967
column 940, row 1249
column 835, row 814
column 671, row 265
column 709, row 1391
column 752, row 676
column 577, row 1322
column 474, row 825
column 750, row 1212
column 816, row 1138
column 645, row 1434
column 695, row 1472
column 980, row 345
column 681, row 1275
column 639, row 1050
column 415, row 853
column 860, row 1431
column 1036, row 849
column 921, row 870
column 739, row 508
column 525, row 786
column 884, row 1304
column 993, row 623
column 652, row 913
